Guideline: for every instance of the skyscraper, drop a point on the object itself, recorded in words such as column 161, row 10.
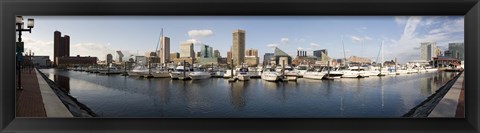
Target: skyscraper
column 457, row 50
column 428, row 50
column 165, row 50
column 120, row 56
column 238, row 46
column 216, row 54
column 61, row 46
column 186, row 50
column 109, row 58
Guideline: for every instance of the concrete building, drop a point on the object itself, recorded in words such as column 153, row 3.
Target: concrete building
column 186, row 50
column 428, row 50
column 76, row 61
column 251, row 52
column 267, row 58
column 229, row 57
column 251, row 61
column 280, row 56
column 174, row 56
column 238, row 46
column 61, row 46
column 41, row 61
column 120, row 56
column 165, row 50
column 457, row 50
column 109, row 58
column 141, row 60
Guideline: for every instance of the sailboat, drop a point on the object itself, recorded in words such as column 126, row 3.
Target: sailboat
column 382, row 70
column 159, row 71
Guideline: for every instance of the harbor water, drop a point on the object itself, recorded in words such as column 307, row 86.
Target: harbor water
column 372, row 97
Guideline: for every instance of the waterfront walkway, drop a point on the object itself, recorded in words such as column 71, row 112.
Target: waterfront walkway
column 453, row 103
column 37, row 99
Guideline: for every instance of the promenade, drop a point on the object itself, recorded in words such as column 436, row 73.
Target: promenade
column 37, row 99
column 453, row 103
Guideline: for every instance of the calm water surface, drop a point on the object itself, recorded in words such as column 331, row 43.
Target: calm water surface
column 123, row 96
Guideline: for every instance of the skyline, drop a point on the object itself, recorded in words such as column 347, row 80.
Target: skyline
column 362, row 35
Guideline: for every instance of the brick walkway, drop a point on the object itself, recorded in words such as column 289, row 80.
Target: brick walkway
column 29, row 100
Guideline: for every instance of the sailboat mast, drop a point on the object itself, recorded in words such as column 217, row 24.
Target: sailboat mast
column 381, row 51
column 344, row 56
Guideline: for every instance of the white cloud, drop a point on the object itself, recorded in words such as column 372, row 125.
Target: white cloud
column 314, row 44
column 401, row 20
column 272, row 45
column 284, row 40
column 356, row 39
column 438, row 29
column 39, row 47
column 92, row 49
column 199, row 33
column 299, row 48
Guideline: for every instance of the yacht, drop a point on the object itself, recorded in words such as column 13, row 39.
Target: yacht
column 430, row 69
column 334, row 72
column 199, row 74
column 243, row 74
column 160, row 73
column 269, row 74
column 137, row 71
column 255, row 72
column 180, row 72
column 314, row 74
column 291, row 74
column 301, row 69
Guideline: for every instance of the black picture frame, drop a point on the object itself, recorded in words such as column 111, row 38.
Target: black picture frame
column 9, row 9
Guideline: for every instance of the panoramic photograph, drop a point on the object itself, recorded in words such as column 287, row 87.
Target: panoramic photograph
column 240, row 66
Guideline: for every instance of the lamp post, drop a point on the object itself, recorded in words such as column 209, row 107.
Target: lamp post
column 20, row 28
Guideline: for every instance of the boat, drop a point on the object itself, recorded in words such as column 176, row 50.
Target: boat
column 316, row 74
column 137, row 71
column 301, row 69
column 269, row 74
column 243, row 74
column 199, row 74
column 180, row 72
column 160, row 73
column 255, row 72
column 291, row 74
column 430, row 69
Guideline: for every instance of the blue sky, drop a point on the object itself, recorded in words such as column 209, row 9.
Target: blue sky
column 362, row 35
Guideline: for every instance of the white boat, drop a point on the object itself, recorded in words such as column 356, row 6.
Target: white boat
column 314, row 74
column 431, row 69
column 333, row 74
column 243, row 74
column 160, row 73
column 269, row 74
column 301, row 69
column 199, row 74
column 402, row 71
column 138, row 71
column 228, row 73
column 254, row 72
column 180, row 72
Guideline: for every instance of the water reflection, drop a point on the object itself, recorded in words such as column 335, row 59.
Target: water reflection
column 120, row 96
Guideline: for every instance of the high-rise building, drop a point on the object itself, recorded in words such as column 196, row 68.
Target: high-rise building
column 120, row 56
column 165, row 50
column 251, row 52
column 428, row 50
column 238, row 46
column 205, row 51
column 457, row 50
column 109, row 58
column 61, row 46
column 229, row 57
column 186, row 50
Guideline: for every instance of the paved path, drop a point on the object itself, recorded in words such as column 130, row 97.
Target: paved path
column 29, row 100
column 453, row 103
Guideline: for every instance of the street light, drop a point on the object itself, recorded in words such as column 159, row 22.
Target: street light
column 20, row 28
